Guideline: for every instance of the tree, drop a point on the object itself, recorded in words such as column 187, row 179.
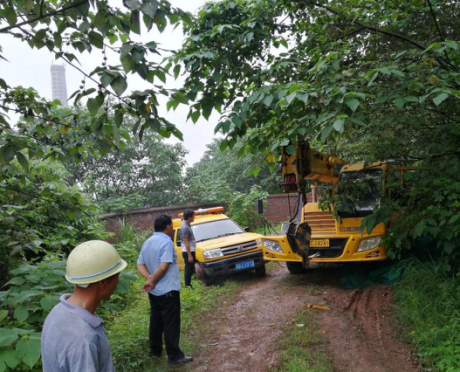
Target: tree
column 67, row 29
column 374, row 80
column 147, row 172
column 221, row 174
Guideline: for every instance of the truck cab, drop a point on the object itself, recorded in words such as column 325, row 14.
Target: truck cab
column 222, row 246
column 316, row 236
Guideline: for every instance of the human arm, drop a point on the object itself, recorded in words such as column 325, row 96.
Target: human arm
column 153, row 279
column 83, row 358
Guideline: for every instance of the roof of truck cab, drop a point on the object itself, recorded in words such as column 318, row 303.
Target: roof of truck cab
column 177, row 222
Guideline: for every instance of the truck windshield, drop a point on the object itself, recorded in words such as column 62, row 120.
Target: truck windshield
column 360, row 191
column 215, row 229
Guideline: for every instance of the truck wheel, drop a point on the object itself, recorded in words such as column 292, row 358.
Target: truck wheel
column 261, row 271
column 295, row 268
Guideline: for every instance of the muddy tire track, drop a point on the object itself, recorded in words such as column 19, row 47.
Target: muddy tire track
column 359, row 333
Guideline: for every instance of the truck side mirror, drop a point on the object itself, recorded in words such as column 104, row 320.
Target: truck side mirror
column 247, row 229
column 178, row 243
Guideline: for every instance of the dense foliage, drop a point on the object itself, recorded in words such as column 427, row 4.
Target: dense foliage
column 370, row 80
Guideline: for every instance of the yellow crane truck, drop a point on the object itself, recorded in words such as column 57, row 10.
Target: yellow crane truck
column 314, row 235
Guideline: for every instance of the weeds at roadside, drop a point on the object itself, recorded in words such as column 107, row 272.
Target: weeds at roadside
column 128, row 330
column 303, row 350
column 427, row 302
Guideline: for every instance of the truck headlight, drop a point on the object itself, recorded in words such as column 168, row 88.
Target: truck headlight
column 259, row 243
column 272, row 246
column 213, row 253
column 370, row 243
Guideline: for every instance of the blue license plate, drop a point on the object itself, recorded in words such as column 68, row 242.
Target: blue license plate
column 244, row 265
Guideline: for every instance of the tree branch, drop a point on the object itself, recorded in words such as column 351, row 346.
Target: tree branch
column 6, row 29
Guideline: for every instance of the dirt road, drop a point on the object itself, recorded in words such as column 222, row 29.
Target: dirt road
column 358, row 333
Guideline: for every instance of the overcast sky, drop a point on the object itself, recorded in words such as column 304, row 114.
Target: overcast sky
column 31, row 68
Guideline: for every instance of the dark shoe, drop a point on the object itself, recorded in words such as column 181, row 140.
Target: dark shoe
column 185, row 359
column 190, row 286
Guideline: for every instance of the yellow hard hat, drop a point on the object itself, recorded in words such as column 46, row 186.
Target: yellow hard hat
column 93, row 261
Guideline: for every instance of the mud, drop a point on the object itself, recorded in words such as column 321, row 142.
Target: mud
column 359, row 333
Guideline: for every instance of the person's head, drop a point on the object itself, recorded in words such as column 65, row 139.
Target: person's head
column 94, row 267
column 164, row 224
column 189, row 215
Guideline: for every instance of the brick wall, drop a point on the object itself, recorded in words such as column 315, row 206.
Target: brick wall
column 277, row 210
column 142, row 219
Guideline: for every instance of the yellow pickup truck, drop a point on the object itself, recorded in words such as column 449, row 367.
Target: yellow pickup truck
column 222, row 246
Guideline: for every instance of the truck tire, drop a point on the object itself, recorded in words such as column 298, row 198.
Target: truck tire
column 295, row 268
column 261, row 271
column 201, row 275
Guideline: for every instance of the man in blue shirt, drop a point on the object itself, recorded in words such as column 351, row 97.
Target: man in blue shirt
column 157, row 263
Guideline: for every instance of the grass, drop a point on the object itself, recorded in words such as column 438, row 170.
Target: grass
column 428, row 305
column 128, row 330
column 303, row 349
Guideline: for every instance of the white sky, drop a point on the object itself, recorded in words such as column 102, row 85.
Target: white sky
column 31, row 68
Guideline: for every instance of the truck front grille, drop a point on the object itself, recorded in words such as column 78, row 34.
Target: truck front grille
column 335, row 250
column 320, row 222
column 239, row 248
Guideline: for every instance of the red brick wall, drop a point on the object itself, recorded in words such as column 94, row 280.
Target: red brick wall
column 142, row 219
column 278, row 210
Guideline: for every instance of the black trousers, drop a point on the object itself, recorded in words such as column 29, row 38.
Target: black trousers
column 189, row 268
column 165, row 319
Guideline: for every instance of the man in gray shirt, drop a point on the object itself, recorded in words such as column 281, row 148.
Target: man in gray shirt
column 188, row 246
column 73, row 336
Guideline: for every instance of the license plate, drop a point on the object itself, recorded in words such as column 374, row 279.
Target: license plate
column 244, row 265
column 319, row 243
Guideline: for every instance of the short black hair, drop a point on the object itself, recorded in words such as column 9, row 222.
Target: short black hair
column 188, row 213
column 162, row 222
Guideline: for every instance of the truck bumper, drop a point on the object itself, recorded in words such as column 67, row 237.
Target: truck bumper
column 227, row 265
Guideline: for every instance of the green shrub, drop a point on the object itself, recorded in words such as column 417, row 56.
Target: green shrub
column 428, row 304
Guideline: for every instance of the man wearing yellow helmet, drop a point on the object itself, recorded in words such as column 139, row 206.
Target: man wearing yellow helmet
column 73, row 337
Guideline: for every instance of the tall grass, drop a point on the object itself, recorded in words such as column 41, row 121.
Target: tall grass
column 428, row 303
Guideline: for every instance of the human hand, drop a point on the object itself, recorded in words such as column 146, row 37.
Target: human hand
column 190, row 258
column 148, row 286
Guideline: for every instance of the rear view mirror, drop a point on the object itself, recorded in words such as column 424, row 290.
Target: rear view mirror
column 178, row 243
column 247, row 229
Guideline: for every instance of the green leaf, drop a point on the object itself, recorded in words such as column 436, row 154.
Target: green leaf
column 118, row 118
column 135, row 21
column 119, row 85
column 339, row 125
column 195, row 116
column 325, row 133
column 29, row 4
column 3, row 315
column 411, row 99
column 16, row 281
column 440, row 98
column 268, row 100
column 10, row 16
column 127, row 62
column 291, row 97
column 176, row 71
column 7, row 337
column 9, row 358
column 96, row 39
column 106, row 79
column 290, row 150
column 419, row 229
column 93, row 106
column 48, row 303
column 352, row 103
column 150, row 8
column 255, row 171
column 28, row 350
column 223, row 145
column 399, row 103
column 21, row 313
column 23, row 161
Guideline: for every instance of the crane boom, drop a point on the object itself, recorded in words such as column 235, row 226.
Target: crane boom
column 308, row 164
